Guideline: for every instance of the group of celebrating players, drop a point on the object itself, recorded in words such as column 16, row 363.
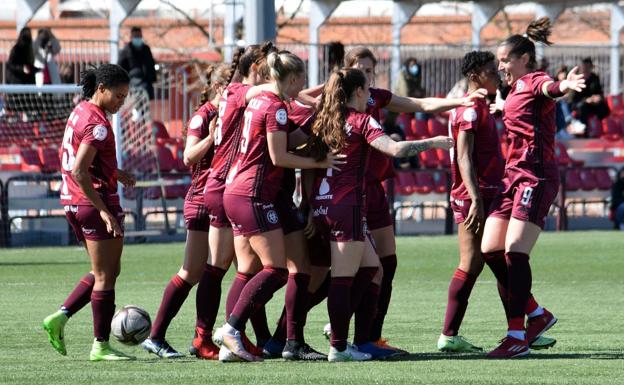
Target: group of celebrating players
column 255, row 125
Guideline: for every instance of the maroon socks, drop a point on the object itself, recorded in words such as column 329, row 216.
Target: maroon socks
column 389, row 265
column 459, row 291
column 174, row 296
column 297, row 305
column 103, row 306
column 208, row 297
column 80, row 296
column 339, row 308
column 519, row 276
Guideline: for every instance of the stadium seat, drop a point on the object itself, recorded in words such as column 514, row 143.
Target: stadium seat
column 159, row 130
column 603, row 179
column 30, row 160
column 404, row 183
column 588, row 179
column 439, row 182
column 573, row 179
column 429, row 159
column 563, row 158
column 404, row 120
column 424, row 182
column 418, row 130
column 611, row 128
column 444, row 157
column 437, row 127
column 615, row 104
column 594, row 127
column 49, row 157
column 165, row 159
column 178, row 156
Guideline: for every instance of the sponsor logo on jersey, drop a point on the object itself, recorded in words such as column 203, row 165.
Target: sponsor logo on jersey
column 470, row 115
column 272, row 216
column 100, row 132
column 337, row 233
column 320, row 211
column 520, row 85
column 196, row 122
column 324, row 191
column 87, row 231
column 281, row 116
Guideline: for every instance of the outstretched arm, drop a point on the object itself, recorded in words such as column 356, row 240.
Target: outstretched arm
column 409, row 148
column 432, row 105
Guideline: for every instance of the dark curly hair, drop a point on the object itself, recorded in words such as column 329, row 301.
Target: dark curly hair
column 475, row 60
column 109, row 75
column 538, row 30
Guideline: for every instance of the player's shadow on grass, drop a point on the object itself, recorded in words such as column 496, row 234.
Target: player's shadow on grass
column 532, row 356
column 47, row 263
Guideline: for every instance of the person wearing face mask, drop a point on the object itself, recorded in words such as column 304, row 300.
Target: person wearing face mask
column 136, row 58
column 409, row 83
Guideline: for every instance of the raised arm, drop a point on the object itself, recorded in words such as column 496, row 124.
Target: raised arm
column 409, row 148
column 432, row 105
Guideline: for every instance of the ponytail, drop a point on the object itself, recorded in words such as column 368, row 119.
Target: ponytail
column 235, row 61
column 538, row 30
column 87, row 82
column 205, row 94
column 281, row 65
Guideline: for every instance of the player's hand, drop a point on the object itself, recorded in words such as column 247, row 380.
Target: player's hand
column 573, row 82
column 126, row 179
column 443, row 142
column 469, row 100
column 333, row 160
column 498, row 104
column 474, row 219
column 310, row 228
column 112, row 226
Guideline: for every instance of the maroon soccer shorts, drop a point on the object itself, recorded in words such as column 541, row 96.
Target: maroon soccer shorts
column 195, row 214
column 525, row 196
column 377, row 209
column 290, row 216
column 461, row 207
column 250, row 216
column 88, row 224
column 213, row 200
column 341, row 223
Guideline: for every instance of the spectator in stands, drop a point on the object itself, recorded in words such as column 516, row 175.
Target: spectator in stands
column 45, row 48
column 409, row 82
column 137, row 59
column 20, row 68
column 589, row 101
column 617, row 202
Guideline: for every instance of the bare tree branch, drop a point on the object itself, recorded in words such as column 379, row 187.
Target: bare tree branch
column 188, row 18
column 292, row 16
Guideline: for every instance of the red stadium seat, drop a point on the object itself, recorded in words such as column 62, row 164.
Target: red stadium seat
column 603, row 179
column 159, row 130
column 178, row 156
column 418, row 130
column 424, row 182
column 616, row 105
column 404, row 183
column 444, row 157
column 49, row 157
column 588, row 179
column 404, row 121
column 439, row 182
column 437, row 127
column 563, row 158
column 429, row 159
column 30, row 160
column 611, row 128
column 573, row 180
column 165, row 159
column 594, row 127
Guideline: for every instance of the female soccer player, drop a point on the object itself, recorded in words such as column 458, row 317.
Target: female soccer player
column 89, row 195
column 198, row 153
column 530, row 182
column 338, row 200
column 251, row 191
column 379, row 220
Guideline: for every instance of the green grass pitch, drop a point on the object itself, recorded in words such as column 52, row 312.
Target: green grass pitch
column 577, row 275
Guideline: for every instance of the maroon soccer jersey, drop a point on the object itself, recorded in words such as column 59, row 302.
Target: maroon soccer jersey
column 347, row 186
column 380, row 165
column 228, row 129
column 486, row 157
column 300, row 116
column 88, row 124
column 199, row 127
column 529, row 118
column 253, row 173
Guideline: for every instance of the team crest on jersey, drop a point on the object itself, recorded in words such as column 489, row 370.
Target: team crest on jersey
column 470, row 115
column 281, row 116
column 100, row 132
column 272, row 216
column 519, row 85
column 371, row 101
column 196, row 122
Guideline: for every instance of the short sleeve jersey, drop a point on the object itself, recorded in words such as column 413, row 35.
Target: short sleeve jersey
column 380, row 165
column 88, row 124
column 529, row 118
column 199, row 127
column 228, row 129
column 347, row 186
column 486, row 157
column 253, row 173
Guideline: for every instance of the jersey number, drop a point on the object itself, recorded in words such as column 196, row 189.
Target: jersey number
column 68, row 158
column 219, row 128
column 526, row 196
column 246, row 131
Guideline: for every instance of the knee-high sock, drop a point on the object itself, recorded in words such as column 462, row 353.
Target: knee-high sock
column 256, row 293
column 103, row 306
column 361, row 283
column 80, row 296
column 174, row 296
column 458, row 293
column 389, row 265
column 519, row 278
column 238, row 284
column 339, row 309
column 297, row 305
column 208, row 297
column 365, row 314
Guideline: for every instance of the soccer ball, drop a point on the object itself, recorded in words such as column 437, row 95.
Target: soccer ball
column 131, row 325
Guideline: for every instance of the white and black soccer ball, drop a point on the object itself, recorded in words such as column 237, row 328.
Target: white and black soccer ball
column 131, row 325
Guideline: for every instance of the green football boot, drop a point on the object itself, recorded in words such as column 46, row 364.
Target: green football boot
column 54, row 325
column 456, row 344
